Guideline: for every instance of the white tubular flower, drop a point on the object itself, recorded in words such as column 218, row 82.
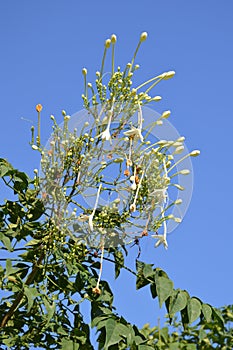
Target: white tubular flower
column 132, row 179
column 106, row 136
column 133, row 206
column 139, row 117
column 90, row 222
column 162, row 239
column 90, row 219
column 133, row 186
column 135, row 133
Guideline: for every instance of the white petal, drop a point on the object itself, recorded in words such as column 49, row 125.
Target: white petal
column 90, row 222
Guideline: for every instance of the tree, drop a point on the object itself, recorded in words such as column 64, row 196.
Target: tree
column 103, row 185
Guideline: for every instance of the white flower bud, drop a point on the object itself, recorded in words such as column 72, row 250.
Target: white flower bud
column 143, row 36
column 181, row 188
column 179, row 150
column 166, row 114
column 195, row 153
column 179, row 220
column 133, row 186
column 113, row 38
column 177, row 144
column 107, row 43
column 184, row 172
column 84, row 71
column 169, row 75
column 156, row 98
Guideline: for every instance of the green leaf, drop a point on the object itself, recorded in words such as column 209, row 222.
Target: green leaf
column 218, row 316
column 174, row 346
column 10, row 270
column 193, row 309
column 67, row 344
column 114, row 332
column 6, row 241
column 164, row 288
column 119, row 262
column 207, row 312
column 178, row 303
column 141, row 280
column 30, row 293
column 190, row 347
column 50, row 309
column 148, row 270
column 5, row 167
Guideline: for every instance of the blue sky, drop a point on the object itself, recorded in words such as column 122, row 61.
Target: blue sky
column 45, row 45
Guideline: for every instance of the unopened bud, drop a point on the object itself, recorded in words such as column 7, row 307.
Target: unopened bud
column 184, row 172
column 178, row 201
column 156, row 98
column 143, row 36
column 39, row 108
column 169, row 75
column 107, row 43
column 166, row 114
column 84, row 71
column 179, row 150
column 113, row 38
column 195, row 153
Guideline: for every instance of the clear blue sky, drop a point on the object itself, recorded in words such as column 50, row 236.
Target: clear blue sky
column 44, row 46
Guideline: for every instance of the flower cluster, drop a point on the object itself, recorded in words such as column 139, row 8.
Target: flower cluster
column 108, row 180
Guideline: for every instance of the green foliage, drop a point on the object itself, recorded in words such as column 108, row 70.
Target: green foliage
column 45, row 288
